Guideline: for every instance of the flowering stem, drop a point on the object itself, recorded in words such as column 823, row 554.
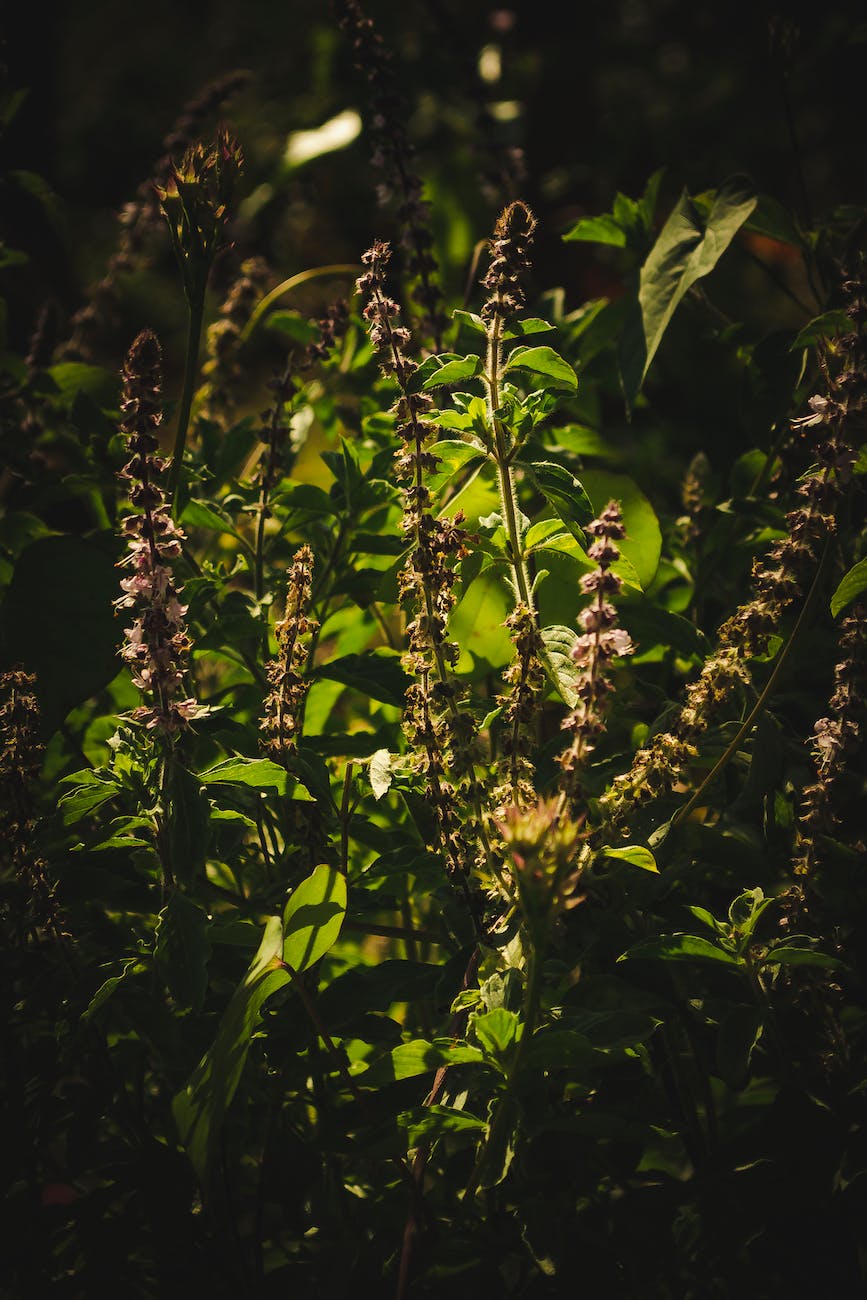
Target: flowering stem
column 748, row 724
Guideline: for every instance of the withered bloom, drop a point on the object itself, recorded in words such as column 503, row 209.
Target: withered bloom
column 287, row 673
column 157, row 645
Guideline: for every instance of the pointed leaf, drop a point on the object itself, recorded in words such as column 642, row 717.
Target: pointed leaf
column 687, row 249
column 200, row 1108
column 850, row 588
column 453, row 372
column 564, row 493
column 543, row 361
column 680, row 947
column 182, row 950
column 636, row 854
column 313, row 918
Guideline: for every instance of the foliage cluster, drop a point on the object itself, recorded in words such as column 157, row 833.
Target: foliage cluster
column 431, row 852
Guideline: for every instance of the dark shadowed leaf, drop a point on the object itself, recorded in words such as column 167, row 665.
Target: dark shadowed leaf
column 680, row 947
column 58, row 621
column 182, row 950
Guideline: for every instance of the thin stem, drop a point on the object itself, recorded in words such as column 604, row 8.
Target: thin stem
column 505, row 476
column 191, row 367
column 294, row 282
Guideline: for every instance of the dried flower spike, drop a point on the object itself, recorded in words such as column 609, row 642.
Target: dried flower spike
column 510, row 246
column 287, row 673
column 157, row 644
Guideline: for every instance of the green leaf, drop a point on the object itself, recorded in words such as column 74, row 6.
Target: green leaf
column 188, row 820
column 560, row 1049
column 259, row 773
column 559, row 642
column 850, row 587
column 772, row 219
column 182, row 950
column 431, row 1123
column 453, row 455
column 687, row 249
column 198, row 514
column 313, row 918
column 200, row 1108
column 642, row 544
column 547, row 363
column 564, row 493
column 377, row 674
column 679, row 947
column 498, row 1031
column 109, row 987
column 522, row 329
column 73, row 377
column 636, row 854
column 418, row 1057
column 58, row 621
column 787, row 955
column 88, row 791
column 604, row 229
column 476, row 624
column 453, row 372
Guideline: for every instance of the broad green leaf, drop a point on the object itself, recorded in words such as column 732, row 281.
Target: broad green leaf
column 258, row 773
column 564, row 493
column 470, row 320
column 58, row 621
column 72, row 377
column 543, row 361
column 522, row 329
column 453, row 372
column 454, row 455
column 378, row 674
column 88, row 791
column 498, row 1031
column 313, row 918
column 687, row 249
column 850, row 588
column 476, row 624
column 198, row 514
column 560, row 1049
column 200, row 1108
column 182, row 950
column 680, row 947
column 559, row 642
column 604, row 229
column 787, row 955
column 187, row 824
column 418, row 1057
column 636, row 854
column 429, row 1123
column 642, row 544
column 380, row 773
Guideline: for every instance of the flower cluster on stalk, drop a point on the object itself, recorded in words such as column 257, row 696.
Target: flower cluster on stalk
column 781, row 579
column 440, row 731
column 392, row 155
column 600, row 642
column 287, row 672
column 835, row 741
column 510, row 246
column 30, row 900
column 157, row 645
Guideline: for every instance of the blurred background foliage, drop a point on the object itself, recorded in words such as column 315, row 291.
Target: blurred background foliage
column 594, row 102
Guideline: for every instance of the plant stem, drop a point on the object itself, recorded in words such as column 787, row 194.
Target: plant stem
column 503, row 1113
column 191, row 367
column 505, row 477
